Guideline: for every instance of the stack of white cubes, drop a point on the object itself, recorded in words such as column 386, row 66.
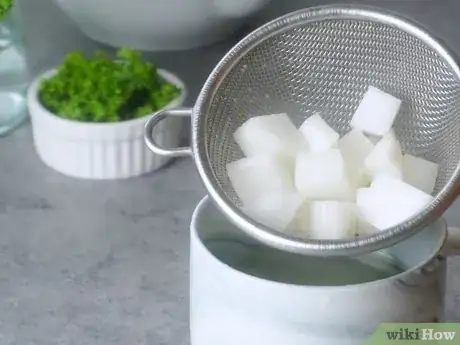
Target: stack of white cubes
column 311, row 183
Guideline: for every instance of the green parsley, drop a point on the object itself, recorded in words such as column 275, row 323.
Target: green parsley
column 5, row 8
column 102, row 89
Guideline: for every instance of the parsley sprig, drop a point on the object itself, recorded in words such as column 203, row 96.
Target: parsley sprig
column 5, row 8
column 102, row 89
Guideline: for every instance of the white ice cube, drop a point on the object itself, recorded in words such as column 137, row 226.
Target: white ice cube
column 420, row 173
column 278, row 211
column 390, row 201
column 376, row 112
column 269, row 134
column 355, row 147
column 299, row 227
column 253, row 178
column 318, row 134
column 363, row 227
column 385, row 158
column 366, row 202
column 323, row 176
column 332, row 220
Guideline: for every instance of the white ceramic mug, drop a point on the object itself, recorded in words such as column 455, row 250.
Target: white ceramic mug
column 242, row 293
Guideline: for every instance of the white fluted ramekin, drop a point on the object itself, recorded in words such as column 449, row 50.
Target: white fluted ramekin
column 99, row 150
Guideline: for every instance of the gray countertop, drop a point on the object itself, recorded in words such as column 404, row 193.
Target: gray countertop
column 106, row 263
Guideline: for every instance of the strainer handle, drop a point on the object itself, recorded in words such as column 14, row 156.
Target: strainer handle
column 154, row 121
column 452, row 246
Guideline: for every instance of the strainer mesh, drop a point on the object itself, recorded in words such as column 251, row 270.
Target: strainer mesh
column 327, row 66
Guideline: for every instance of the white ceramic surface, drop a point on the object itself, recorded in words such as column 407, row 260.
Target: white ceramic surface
column 159, row 25
column 228, row 307
column 99, row 150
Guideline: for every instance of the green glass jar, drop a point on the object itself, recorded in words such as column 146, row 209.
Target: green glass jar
column 14, row 73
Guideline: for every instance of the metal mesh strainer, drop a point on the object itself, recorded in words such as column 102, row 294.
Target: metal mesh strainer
column 323, row 59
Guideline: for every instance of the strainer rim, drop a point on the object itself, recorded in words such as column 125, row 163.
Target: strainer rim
column 353, row 246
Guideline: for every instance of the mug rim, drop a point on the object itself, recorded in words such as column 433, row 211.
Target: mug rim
column 206, row 201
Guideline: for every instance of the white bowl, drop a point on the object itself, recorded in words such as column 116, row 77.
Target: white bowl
column 242, row 294
column 160, row 24
column 99, row 150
